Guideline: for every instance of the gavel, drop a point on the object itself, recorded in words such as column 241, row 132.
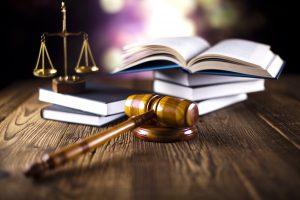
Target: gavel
column 153, row 118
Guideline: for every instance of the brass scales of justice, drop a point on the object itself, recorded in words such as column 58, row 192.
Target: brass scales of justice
column 151, row 117
column 66, row 83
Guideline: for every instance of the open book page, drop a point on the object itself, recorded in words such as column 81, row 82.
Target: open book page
column 187, row 47
column 233, row 67
column 136, row 56
column 177, row 50
column 240, row 51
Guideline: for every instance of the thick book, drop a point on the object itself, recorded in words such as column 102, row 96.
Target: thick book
column 63, row 114
column 194, row 54
column 210, row 105
column 209, row 91
column 181, row 77
column 99, row 99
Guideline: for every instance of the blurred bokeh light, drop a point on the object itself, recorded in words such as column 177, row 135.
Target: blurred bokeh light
column 132, row 20
column 111, row 24
column 112, row 6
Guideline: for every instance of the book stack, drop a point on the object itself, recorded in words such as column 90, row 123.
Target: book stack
column 98, row 105
column 214, row 75
column 211, row 92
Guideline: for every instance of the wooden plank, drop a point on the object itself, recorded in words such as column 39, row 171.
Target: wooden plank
column 24, row 137
column 287, row 85
column 12, row 96
column 282, row 113
column 232, row 159
column 237, row 155
column 280, row 109
column 243, row 146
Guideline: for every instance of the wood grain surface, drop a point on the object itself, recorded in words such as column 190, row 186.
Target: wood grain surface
column 250, row 150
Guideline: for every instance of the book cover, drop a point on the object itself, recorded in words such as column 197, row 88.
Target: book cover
column 64, row 114
column 98, row 98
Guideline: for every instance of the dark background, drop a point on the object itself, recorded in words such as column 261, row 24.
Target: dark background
column 23, row 24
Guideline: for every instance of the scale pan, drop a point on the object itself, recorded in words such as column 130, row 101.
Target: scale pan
column 44, row 73
column 86, row 69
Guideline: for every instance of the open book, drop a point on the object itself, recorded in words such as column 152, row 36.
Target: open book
column 194, row 54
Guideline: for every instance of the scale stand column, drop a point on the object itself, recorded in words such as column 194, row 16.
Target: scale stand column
column 67, row 84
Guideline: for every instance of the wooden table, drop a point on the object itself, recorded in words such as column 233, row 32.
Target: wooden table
column 247, row 151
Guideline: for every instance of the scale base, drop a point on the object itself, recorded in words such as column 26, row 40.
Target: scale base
column 153, row 133
column 68, row 84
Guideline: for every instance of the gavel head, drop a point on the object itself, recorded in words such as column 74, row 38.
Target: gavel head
column 170, row 111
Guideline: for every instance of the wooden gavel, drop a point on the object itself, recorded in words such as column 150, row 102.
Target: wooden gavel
column 158, row 118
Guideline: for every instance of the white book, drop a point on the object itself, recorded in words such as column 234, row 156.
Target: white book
column 194, row 54
column 207, row 92
column 183, row 78
column 99, row 99
column 63, row 114
column 210, row 105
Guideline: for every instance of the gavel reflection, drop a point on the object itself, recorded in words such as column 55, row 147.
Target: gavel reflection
column 153, row 118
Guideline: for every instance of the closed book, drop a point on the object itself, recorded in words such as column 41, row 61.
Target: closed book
column 210, row 105
column 99, row 99
column 181, row 77
column 209, row 91
column 63, row 114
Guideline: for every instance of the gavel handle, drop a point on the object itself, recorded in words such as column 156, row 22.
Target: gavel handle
column 60, row 157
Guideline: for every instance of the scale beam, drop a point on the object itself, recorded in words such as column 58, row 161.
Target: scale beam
column 66, row 34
